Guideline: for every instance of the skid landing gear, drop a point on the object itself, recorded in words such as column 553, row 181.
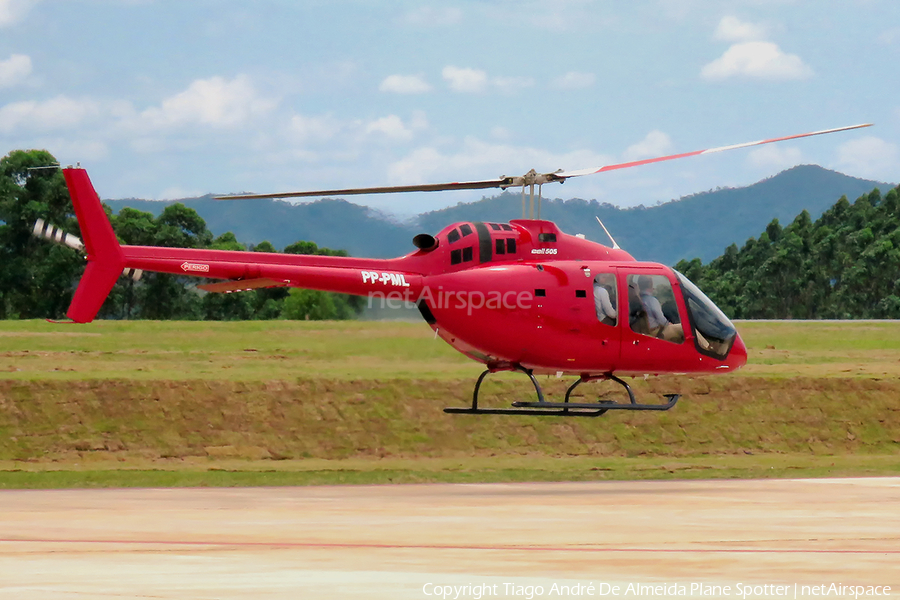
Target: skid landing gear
column 542, row 408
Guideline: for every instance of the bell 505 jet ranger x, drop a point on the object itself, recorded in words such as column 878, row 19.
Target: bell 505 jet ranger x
column 517, row 296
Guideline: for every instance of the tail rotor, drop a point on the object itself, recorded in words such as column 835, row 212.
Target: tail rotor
column 53, row 233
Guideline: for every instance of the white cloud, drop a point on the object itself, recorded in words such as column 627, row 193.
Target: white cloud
column 731, row 29
column 390, row 126
column 465, row 80
column 318, row 129
column 404, row 84
column 76, row 148
column 472, row 81
column 512, row 84
column 418, row 121
column 177, row 193
column 889, row 37
column 500, row 133
column 50, row 115
column 432, row 16
column 214, row 101
column 775, row 156
column 757, row 60
column 393, row 128
column 14, row 70
column 347, row 136
column 656, row 143
column 869, row 157
column 13, row 11
column 573, row 80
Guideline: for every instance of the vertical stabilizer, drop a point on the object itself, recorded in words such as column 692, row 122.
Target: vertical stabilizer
column 105, row 258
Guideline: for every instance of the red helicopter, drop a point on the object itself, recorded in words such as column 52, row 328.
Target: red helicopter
column 517, row 296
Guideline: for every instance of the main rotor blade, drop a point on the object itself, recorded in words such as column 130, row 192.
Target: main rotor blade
column 563, row 175
column 530, row 178
column 502, row 182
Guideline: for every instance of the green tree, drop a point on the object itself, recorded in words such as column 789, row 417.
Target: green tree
column 35, row 276
column 316, row 305
column 164, row 296
column 844, row 265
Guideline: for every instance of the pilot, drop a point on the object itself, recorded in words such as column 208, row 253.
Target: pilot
column 604, row 283
column 659, row 326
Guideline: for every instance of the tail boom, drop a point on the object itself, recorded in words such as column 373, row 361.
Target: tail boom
column 358, row 276
column 107, row 259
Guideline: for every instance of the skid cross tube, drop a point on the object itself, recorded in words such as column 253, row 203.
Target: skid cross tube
column 632, row 403
column 541, row 408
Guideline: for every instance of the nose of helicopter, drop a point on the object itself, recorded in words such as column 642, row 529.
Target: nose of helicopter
column 737, row 358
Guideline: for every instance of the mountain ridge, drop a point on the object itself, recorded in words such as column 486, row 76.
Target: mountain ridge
column 661, row 233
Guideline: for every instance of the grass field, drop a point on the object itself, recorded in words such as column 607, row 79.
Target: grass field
column 263, row 350
column 285, row 403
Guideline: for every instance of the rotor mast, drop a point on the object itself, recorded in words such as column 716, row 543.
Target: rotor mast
column 530, row 179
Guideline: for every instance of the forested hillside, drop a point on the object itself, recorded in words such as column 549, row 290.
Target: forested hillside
column 844, row 265
column 38, row 278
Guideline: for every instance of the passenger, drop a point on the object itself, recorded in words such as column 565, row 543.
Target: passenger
column 605, row 306
column 657, row 323
column 637, row 316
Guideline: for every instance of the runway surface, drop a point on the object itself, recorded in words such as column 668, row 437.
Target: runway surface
column 728, row 538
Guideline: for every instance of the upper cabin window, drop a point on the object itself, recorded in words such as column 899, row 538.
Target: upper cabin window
column 505, row 227
column 461, row 255
column 495, row 226
column 652, row 309
column 453, row 236
column 605, row 298
column 465, row 230
column 547, row 237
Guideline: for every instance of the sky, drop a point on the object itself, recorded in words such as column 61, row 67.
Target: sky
column 164, row 99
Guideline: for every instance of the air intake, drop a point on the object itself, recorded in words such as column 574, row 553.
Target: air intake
column 425, row 242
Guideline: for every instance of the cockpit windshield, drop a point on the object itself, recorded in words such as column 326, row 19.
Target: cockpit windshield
column 714, row 333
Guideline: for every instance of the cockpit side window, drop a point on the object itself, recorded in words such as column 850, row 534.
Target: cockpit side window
column 605, row 298
column 453, row 236
column 652, row 309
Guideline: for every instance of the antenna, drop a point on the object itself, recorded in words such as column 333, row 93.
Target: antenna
column 615, row 245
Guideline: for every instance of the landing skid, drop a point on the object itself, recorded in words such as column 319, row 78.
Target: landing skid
column 542, row 408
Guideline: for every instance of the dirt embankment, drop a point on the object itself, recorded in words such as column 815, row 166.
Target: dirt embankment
column 337, row 419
